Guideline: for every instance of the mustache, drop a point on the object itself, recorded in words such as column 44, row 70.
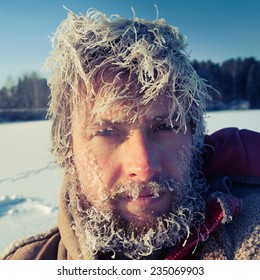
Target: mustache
column 156, row 187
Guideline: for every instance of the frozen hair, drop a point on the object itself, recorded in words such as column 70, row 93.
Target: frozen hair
column 114, row 59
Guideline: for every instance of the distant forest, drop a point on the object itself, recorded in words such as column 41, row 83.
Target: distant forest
column 236, row 80
column 26, row 100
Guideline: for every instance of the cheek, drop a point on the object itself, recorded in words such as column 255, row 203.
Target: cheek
column 88, row 171
column 177, row 157
column 95, row 171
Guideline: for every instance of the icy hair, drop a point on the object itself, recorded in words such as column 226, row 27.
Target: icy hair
column 114, row 59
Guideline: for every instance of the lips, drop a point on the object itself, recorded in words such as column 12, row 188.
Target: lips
column 145, row 206
column 146, row 198
column 145, row 193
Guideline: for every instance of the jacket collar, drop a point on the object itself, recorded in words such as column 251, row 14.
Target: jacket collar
column 65, row 225
column 221, row 209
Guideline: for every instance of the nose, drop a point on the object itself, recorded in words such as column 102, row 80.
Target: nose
column 141, row 161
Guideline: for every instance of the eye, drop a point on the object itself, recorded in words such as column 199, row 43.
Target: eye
column 166, row 127
column 106, row 132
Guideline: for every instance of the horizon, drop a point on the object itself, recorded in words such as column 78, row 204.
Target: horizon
column 216, row 30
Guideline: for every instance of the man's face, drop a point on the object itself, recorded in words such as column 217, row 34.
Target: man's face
column 117, row 162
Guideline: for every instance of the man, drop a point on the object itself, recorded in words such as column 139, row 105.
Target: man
column 141, row 180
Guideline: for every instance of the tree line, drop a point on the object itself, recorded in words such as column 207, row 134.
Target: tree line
column 237, row 82
column 30, row 92
column 234, row 82
column 26, row 100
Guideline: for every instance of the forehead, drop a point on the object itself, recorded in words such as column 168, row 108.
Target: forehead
column 132, row 110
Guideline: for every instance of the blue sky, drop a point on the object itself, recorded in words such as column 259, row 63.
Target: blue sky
column 216, row 29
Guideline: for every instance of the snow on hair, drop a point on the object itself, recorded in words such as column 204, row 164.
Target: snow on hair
column 119, row 59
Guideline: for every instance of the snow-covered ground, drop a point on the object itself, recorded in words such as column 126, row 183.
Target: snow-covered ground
column 30, row 182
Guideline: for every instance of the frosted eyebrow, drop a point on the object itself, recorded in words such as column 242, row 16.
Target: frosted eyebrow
column 122, row 121
column 108, row 122
column 161, row 118
column 166, row 118
column 104, row 123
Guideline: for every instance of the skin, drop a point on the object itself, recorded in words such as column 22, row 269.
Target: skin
column 120, row 152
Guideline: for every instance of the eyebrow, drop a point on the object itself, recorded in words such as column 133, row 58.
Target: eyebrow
column 165, row 117
column 107, row 122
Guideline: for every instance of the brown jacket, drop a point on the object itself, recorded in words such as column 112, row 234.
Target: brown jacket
column 231, row 237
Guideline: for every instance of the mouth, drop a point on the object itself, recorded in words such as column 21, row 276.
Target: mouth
column 147, row 193
column 146, row 199
column 145, row 205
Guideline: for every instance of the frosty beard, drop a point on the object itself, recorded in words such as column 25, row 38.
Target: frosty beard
column 109, row 233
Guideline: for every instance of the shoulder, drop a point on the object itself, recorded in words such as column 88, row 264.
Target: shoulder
column 231, row 151
column 41, row 246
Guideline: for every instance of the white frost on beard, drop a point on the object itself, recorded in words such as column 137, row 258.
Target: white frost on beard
column 107, row 232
